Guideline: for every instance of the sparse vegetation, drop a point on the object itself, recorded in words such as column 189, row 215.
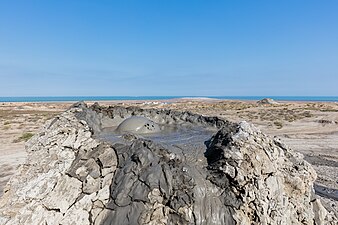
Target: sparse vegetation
column 307, row 114
column 24, row 137
column 278, row 124
column 6, row 127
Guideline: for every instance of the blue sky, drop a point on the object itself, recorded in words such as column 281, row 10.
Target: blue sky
column 168, row 47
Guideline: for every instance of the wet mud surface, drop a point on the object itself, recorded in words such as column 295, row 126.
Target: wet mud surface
column 326, row 192
column 184, row 139
column 171, row 161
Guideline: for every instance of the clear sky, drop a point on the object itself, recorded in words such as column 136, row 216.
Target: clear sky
column 168, row 47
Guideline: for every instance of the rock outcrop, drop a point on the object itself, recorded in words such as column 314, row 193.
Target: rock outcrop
column 240, row 176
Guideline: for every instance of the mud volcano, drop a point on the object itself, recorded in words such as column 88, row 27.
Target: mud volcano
column 115, row 165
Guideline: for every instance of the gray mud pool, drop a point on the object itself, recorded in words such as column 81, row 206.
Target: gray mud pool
column 188, row 140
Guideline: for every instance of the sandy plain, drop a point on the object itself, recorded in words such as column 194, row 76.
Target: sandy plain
column 310, row 128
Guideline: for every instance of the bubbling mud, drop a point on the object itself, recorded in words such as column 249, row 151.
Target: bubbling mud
column 178, row 132
column 138, row 125
column 177, row 138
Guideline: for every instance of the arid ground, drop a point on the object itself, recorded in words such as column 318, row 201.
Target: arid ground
column 310, row 128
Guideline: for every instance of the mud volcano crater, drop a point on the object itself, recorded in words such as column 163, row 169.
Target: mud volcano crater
column 166, row 157
column 116, row 165
column 186, row 139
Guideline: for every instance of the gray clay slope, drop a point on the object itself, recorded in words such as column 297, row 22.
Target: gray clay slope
column 76, row 174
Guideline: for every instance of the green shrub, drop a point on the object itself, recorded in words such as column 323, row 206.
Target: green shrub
column 278, row 124
column 24, row 137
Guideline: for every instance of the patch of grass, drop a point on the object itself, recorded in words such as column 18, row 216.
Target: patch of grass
column 24, row 137
column 307, row 114
column 278, row 124
column 7, row 123
column 329, row 110
column 6, row 127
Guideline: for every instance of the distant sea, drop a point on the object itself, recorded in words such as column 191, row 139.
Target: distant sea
column 108, row 98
